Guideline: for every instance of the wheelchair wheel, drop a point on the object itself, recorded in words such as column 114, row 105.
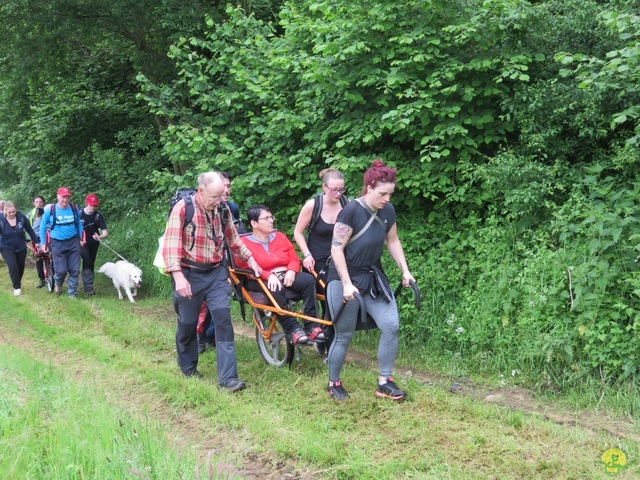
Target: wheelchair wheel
column 275, row 350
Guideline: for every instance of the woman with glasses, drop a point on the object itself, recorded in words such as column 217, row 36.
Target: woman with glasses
column 362, row 229
column 280, row 264
column 318, row 217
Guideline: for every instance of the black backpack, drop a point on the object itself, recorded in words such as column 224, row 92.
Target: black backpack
column 317, row 209
column 74, row 209
column 187, row 194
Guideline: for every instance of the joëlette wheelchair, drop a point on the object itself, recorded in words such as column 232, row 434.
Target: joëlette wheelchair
column 273, row 345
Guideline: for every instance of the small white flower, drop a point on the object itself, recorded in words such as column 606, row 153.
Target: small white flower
column 543, row 298
column 532, row 304
column 515, row 372
column 459, row 330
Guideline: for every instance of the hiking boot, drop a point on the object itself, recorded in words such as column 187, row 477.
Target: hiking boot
column 337, row 391
column 210, row 343
column 390, row 390
column 233, row 385
column 202, row 344
column 193, row 374
column 57, row 289
column 17, row 291
column 90, row 293
column 41, row 283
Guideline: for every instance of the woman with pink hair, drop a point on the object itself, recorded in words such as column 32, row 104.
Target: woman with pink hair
column 361, row 231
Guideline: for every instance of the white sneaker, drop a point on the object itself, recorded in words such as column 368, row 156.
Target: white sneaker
column 17, row 292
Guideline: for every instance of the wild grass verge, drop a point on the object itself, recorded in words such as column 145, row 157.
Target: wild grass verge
column 284, row 423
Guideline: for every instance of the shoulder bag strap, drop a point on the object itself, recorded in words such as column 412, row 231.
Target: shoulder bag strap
column 374, row 216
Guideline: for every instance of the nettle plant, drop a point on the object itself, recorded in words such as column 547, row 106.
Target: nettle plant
column 599, row 239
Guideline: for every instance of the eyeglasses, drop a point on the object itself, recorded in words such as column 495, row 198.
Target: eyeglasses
column 335, row 190
column 268, row 217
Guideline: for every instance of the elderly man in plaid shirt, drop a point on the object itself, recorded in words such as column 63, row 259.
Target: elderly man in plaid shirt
column 193, row 256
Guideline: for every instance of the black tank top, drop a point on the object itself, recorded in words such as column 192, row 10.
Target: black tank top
column 319, row 242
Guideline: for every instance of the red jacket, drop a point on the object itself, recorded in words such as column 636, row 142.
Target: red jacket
column 281, row 254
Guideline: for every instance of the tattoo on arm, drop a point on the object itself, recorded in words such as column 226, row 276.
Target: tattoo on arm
column 341, row 234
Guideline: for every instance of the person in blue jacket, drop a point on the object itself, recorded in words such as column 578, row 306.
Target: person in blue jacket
column 62, row 219
column 13, row 247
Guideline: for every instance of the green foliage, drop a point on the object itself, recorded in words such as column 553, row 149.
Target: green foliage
column 560, row 298
column 600, row 232
column 617, row 71
column 555, row 120
column 513, row 125
column 341, row 83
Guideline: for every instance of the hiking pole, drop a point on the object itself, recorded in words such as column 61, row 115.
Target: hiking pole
column 104, row 243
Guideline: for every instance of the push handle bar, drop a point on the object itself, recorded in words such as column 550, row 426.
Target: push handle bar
column 416, row 292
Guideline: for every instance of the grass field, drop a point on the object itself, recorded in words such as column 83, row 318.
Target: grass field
column 90, row 389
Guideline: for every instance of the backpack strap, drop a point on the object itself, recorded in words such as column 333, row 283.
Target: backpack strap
column 317, row 208
column 188, row 218
column 74, row 209
column 317, row 211
column 53, row 215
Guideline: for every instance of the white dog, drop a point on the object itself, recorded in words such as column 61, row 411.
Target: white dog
column 124, row 275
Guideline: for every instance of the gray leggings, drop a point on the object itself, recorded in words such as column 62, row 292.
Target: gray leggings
column 384, row 314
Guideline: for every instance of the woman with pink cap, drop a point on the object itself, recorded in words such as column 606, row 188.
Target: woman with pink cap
column 96, row 229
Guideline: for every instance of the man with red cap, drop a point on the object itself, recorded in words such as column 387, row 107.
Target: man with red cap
column 65, row 230
column 95, row 229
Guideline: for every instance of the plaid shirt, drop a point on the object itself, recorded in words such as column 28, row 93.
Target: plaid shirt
column 208, row 244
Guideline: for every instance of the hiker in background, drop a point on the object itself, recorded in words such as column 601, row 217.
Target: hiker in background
column 193, row 257
column 35, row 216
column 233, row 207
column 95, row 229
column 13, row 226
column 62, row 219
column 361, row 231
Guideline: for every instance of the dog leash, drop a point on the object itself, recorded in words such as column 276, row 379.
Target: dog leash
column 105, row 244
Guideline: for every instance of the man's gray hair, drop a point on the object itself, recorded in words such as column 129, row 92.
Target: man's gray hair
column 207, row 177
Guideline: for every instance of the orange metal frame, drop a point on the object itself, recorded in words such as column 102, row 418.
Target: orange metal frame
column 235, row 275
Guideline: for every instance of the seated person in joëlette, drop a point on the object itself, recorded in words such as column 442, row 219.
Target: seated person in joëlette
column 280, row 264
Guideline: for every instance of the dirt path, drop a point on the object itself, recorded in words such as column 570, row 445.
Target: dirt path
column 512, row 397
